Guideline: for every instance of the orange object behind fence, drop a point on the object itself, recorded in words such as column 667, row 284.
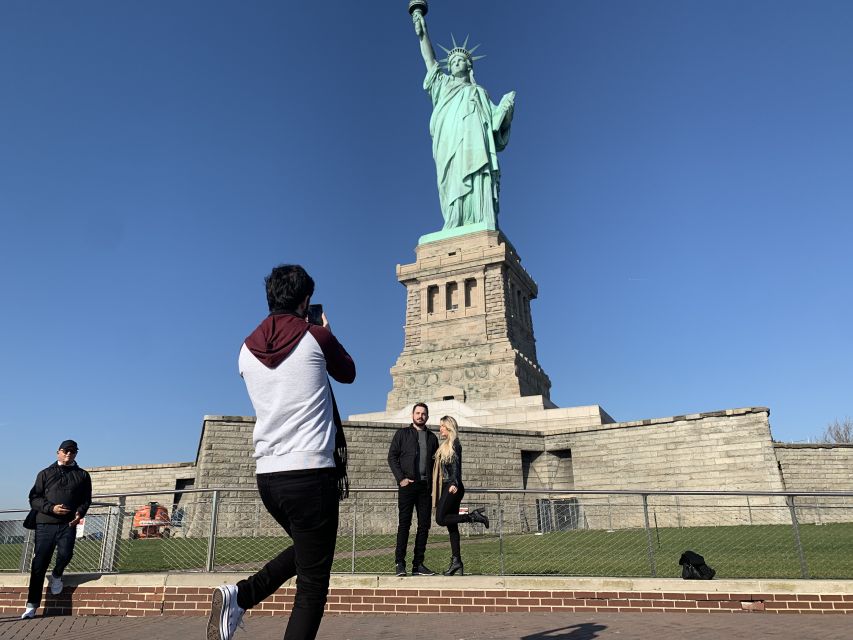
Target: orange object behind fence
column 151, row 521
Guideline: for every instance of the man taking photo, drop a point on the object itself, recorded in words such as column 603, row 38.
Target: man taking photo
column 300, row 452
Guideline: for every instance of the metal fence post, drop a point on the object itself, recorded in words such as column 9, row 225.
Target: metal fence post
column 804, row 568
column 27, row 551
column 122, row 507
column 500, row 535
column 211, row 539
column 354, row 511
column 109, row 544
column 105, row 537
column 552, row 515
column 650, row 545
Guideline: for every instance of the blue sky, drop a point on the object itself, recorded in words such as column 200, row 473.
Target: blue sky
column 678, row 182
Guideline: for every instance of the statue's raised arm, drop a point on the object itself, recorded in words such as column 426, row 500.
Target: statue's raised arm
column 418, row 10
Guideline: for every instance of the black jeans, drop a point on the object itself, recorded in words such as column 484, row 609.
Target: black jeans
column 447, row 515
column 60, row 537
column 305, row 503
column 417, row 494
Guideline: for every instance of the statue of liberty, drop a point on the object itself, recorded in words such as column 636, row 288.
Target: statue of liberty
column 467, row 131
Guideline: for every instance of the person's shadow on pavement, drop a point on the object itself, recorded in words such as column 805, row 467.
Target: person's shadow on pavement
column 60, row 605
column 582, row 631
column 51, row 605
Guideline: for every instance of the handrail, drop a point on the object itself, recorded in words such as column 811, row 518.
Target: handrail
column 479, row 490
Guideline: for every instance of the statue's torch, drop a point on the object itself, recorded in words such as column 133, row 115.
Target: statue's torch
column 418, row 6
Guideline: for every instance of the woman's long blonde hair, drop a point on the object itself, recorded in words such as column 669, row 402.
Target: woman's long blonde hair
column 446, row 451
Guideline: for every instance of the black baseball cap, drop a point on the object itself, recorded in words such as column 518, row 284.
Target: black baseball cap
column 69, row 445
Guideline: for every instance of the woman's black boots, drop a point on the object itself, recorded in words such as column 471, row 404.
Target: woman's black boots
column 478, row 516
column 455, row 565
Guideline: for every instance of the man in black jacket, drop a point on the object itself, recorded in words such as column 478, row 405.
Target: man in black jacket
column 61, row 496
column 411, row 458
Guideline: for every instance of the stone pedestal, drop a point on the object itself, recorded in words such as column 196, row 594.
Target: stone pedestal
column 469, row 331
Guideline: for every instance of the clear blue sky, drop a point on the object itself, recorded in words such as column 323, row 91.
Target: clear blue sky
column 678, row 182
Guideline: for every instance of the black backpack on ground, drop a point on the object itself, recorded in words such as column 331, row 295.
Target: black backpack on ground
column 693, row 567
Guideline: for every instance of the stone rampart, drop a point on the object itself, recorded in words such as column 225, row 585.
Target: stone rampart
column 133, row 478
column 818, row 467
column 729, row 450
column 129, row 478
column 718, row 451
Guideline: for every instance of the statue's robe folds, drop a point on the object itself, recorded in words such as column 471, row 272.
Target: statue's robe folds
column 467, row 132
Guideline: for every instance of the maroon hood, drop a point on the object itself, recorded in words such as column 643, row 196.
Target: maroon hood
column 276, row 337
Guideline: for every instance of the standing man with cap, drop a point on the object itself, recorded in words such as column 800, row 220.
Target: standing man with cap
column 61, row 497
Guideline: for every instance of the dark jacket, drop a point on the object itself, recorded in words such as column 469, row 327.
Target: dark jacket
column 58, row 484
column 447, row 474
column 451, row 472
column 404, row 454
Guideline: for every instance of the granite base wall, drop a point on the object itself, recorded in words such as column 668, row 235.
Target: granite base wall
column 728, row 450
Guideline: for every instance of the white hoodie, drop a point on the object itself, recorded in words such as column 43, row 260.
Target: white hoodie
column 295, row 426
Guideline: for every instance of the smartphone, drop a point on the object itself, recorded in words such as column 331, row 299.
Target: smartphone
column 315, row 314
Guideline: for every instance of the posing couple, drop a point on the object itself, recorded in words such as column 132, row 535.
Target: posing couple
column 429, row 477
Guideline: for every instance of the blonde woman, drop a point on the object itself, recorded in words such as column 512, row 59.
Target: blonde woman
column 448, row 491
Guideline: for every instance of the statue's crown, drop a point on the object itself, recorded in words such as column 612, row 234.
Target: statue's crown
column 459, row 50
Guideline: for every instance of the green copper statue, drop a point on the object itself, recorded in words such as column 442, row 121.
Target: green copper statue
column 467, row 132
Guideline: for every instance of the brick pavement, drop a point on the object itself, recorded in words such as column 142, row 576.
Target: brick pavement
column 504, row 626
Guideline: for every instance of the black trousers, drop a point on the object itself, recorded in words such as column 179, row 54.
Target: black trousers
column 305, row 503
column 50, row 537
column 447, row 515
column 414, row 495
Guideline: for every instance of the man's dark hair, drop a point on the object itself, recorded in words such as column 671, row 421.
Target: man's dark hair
column 420, row 404
column 287, row 286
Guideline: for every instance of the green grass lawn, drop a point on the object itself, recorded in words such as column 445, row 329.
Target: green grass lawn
column 735, row 552
column 10, row 556
column 759, row 551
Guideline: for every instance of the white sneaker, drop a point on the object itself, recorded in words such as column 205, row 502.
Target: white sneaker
column 55, row 584
column 29, row 612
column 225, row 614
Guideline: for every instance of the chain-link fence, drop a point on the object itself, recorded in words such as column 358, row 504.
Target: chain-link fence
column 560, row 533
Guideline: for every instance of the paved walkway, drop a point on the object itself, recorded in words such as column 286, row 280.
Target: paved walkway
column 502, row 626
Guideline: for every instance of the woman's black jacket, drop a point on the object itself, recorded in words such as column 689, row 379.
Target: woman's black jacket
column 451, row 472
